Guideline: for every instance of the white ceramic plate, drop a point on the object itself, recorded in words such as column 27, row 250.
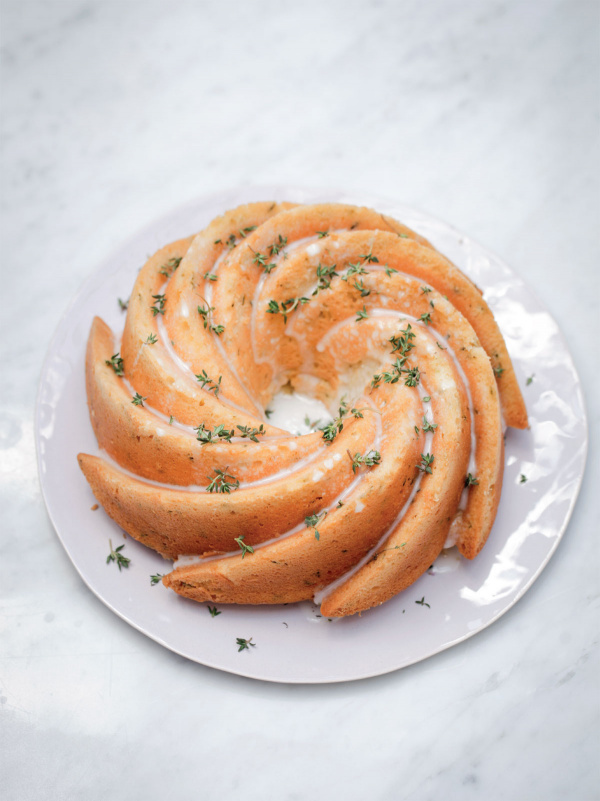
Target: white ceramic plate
column 293, row 644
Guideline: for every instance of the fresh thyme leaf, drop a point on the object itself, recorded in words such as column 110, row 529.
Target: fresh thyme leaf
column 312, row 521
column 423, row 602
column 115, row 555
column 425, row 289
column 208, row 276
column 425, row 318
column 354, row 269
column 268, row 413
column 522, row 478
column 286, row 307
column 116, row 362
column 402, row 342
column 498, row 370
column 171, row 418
column 426, row 399
column 213, row 611
column 251, row 433
column 220, row 482
column 471, row 480
column 530, row 379
column 152, row 339
column 331, row 430
column 245, row 231
column 263, row 262
column 155, row 579
column 208, row 383
column 325, row 275
column 427, row 426
column 245, row 548
column 441, row 347
column 362, row 314
column 205, row 311
column 158, row 306
column 278, row 245
column 389, row 270
column 312, row 425
column 369, row 258
column 244, row 644
column 368, row 460
column 123, row 304
column 426, row 462
column 205, row 435
column 364, row 292
column 322, row 234
column 169, row 268
column 138, row 400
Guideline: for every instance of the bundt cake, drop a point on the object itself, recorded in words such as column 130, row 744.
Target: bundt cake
column 331, row 301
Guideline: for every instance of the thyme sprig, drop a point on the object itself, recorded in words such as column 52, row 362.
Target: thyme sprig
column 354, row 269
column 389, row 270
column 231, row 240
column 263, row 261
column 427, row 426
column 247, row 432
column 152, row 339
column 362, row 314
column 359, row 285
column 220, row 482
column 325, row 274
column 205, row 311
column 286, row 307
column 278, row 245
column 116, row 362
column 322, row 234
column 426, row 462
column 369, row 258
column 331, row 430
column 245, row 548
column 205, row 435
column 471, row 481
column 138, row 400
column 208, row 384
column 413, row 376
column 312, row 521
column 171, row 265
column 244, row 644
column 115, row 555
column 155, row 579
column 123, row 304
column 423, row 602
column 208, row 276
column 158, row 307
column 425, row 318
column 368, row 460
column 213, row 611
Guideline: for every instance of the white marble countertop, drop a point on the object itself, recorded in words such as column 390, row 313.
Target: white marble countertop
column 482, row 113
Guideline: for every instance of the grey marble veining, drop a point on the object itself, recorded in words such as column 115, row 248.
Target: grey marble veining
column 484, row 114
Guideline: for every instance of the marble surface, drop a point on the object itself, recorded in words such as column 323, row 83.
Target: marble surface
column 485, row 115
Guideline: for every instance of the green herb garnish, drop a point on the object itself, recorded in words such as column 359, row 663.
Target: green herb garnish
column 116, row 362
column 220, row 482
column 115, row 555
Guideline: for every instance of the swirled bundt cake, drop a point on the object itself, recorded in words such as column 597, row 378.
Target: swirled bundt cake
column 336, row 302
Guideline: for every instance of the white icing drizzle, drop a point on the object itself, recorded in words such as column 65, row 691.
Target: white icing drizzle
column 433, row 335
column 186, row 560
column 329, row 588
